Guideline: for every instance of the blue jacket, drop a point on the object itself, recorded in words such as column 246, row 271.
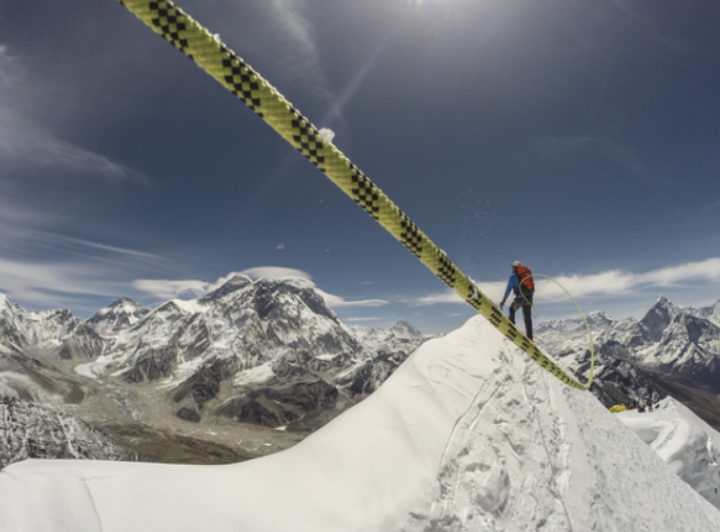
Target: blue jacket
column 513, row 284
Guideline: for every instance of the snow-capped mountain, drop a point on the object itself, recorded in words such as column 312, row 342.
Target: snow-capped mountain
column 469, row 434
column 402, row 332
column 121, row 315
column 264, row 352
column 35, row 330
column 671, row 350
column 711, row 313
column 391, row 347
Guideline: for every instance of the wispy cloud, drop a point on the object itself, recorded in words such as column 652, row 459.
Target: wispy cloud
column 361, row 320
column 68, row 272
column 303, row 61
column 271, row 272
column 565, row 148
column 611, row 283
column 133, row 253
column 40, row 175
column 333, row 301
column 9, row 70
column 707, row 270
column 25, row 144
column 168, row 289
column 438, row 298
column 68, row 249
column 53, row 284
column 289, row 14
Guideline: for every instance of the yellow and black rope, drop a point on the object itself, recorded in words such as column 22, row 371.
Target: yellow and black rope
column 238, row 77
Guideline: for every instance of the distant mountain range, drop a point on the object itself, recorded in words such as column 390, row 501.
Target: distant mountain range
column 252, row 367
column 264, row 353
column 670, row 351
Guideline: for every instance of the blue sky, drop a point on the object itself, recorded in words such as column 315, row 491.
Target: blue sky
column 579, row 137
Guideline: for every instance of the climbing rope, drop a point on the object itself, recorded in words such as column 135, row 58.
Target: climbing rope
column 238, row 77
column 587, row 325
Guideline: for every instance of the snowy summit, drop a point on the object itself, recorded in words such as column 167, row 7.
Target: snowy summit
column 467, row 435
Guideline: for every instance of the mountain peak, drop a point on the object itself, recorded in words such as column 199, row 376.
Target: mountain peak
column 658, row 318
column 125, row 303
column 405, row 328
column 598, row 317
column 664, row 302
column 233, row 284
column 119, row 314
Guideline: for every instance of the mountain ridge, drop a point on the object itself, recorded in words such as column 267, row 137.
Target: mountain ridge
column 671, row 350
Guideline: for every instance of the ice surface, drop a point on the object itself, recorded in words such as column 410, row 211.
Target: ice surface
column 467, row 435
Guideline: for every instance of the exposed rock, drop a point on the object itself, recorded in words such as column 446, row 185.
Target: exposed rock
column 205, row 383
column 282, row 405
column 29, row 431
column 153, row 364
column 84, row 343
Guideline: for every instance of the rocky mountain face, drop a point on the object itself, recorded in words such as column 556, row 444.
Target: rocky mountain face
column 264, row 353
column 30, row 431
column 670, row 351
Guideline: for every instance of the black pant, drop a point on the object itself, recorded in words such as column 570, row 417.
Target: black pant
column 527, row 314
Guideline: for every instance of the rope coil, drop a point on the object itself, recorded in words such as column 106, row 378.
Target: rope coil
column 234, row 74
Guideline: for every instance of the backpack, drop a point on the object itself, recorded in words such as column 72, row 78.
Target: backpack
column 527, row 284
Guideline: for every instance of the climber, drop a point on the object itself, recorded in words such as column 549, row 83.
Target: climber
column 523, row 287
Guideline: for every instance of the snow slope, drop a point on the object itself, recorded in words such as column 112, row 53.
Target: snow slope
column 683, row 441
column 467, row 435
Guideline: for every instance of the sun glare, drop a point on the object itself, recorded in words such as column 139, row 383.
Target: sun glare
column 414, row 3
column 421, row 3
